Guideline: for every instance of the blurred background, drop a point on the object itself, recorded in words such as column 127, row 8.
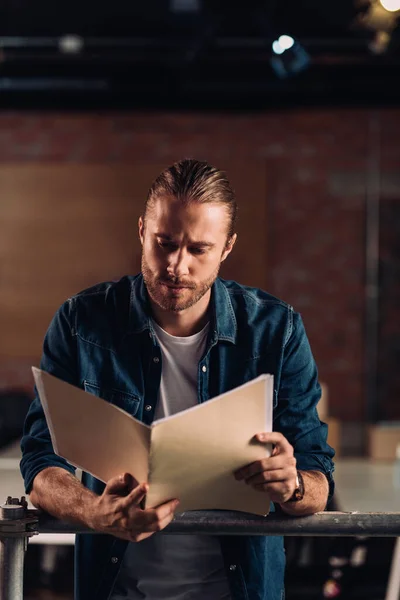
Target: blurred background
column 299, row 103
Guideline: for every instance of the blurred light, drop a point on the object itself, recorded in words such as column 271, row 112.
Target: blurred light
column 390, row 5
column 382, row 19
column 285, row 42
column 277, row 48
column 380, row 42
column 289, row 56
column 71, row 44
column 185, row 6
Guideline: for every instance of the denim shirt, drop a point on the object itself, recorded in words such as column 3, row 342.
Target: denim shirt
column 102, row 340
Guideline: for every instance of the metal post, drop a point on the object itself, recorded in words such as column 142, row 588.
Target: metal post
column 12, row 552
column 15, row 528
column 393, row 587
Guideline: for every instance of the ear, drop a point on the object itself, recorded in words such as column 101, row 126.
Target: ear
column 229, row 247
column 141, row 229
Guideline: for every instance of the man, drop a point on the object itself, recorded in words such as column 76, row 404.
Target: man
column 155, row 344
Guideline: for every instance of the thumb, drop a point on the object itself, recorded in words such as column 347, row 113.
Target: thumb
column 121, row 484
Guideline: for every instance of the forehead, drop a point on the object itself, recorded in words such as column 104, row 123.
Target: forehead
column 197, row 220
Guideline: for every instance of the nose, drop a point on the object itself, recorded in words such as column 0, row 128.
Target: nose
column 178, row 263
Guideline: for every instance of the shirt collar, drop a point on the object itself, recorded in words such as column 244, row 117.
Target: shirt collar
column 139, row 306
column 224, row 319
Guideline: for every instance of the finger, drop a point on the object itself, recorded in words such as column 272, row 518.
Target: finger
column 136, row 495
column 151, row 528
column 130, row 482
column 280, row 461
column 120, row 484
column 162, row 522
column 152, row 517
column 252, row 469
column 277, row 492
column 166, row 521
column 278, row 475
column 160, row 512
column 275, row 438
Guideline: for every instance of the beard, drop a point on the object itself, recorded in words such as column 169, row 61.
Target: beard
column 169, row 300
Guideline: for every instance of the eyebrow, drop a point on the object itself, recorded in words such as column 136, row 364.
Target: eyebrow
column 199, row 244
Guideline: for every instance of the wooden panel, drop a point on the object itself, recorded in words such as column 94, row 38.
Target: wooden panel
column 66, row 227
column 62, row 228
column 247, row 262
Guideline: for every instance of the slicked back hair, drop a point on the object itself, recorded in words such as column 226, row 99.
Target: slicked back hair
column 191, row 180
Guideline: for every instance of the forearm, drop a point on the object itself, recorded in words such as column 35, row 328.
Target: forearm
column 59, row 493
column 316, row 491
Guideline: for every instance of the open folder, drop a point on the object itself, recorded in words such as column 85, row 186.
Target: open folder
column 190, row 455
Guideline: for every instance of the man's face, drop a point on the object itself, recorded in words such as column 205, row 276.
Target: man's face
column 182, row 250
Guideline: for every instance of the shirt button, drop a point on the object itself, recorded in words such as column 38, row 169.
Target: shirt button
column 147, row 407
column 232, row 567
column 156, row 359
column 114, row 559
column 204, row 368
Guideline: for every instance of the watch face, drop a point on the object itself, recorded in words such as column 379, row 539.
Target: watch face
column 298, row 493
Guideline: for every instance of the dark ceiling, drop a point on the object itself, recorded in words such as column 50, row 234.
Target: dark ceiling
column 191, row 53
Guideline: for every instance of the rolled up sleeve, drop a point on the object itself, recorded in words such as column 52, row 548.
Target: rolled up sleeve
column 296, row 414
column 59, row 359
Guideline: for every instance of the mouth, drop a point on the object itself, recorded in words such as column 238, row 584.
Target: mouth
column 173, row 286
column 174, row 289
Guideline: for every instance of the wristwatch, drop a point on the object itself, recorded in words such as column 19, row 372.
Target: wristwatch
column 298, row 493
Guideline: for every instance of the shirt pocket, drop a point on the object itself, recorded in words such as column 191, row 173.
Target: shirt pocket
column 128, row 402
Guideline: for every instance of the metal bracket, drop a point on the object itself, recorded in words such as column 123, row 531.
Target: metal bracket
column 15, row 519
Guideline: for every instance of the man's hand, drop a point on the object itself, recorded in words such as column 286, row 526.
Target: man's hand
column 117, row 511
column 275, row 475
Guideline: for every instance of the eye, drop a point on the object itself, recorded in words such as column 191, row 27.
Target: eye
column 197, row 250
column 168, row 246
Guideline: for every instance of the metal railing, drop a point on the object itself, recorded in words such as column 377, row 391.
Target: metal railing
column 18, row 523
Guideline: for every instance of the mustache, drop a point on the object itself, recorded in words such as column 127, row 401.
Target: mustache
column 178, row 282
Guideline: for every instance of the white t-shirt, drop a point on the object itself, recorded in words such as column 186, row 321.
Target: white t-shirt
column 175, row 567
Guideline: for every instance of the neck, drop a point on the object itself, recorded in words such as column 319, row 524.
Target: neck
column 185, row 322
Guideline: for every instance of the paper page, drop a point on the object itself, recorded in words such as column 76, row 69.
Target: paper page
column 90, row 433
column 195, row 452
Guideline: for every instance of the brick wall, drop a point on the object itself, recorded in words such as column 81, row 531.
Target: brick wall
column 315, row 164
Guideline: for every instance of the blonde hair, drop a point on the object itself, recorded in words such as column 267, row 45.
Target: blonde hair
column 191, row 180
